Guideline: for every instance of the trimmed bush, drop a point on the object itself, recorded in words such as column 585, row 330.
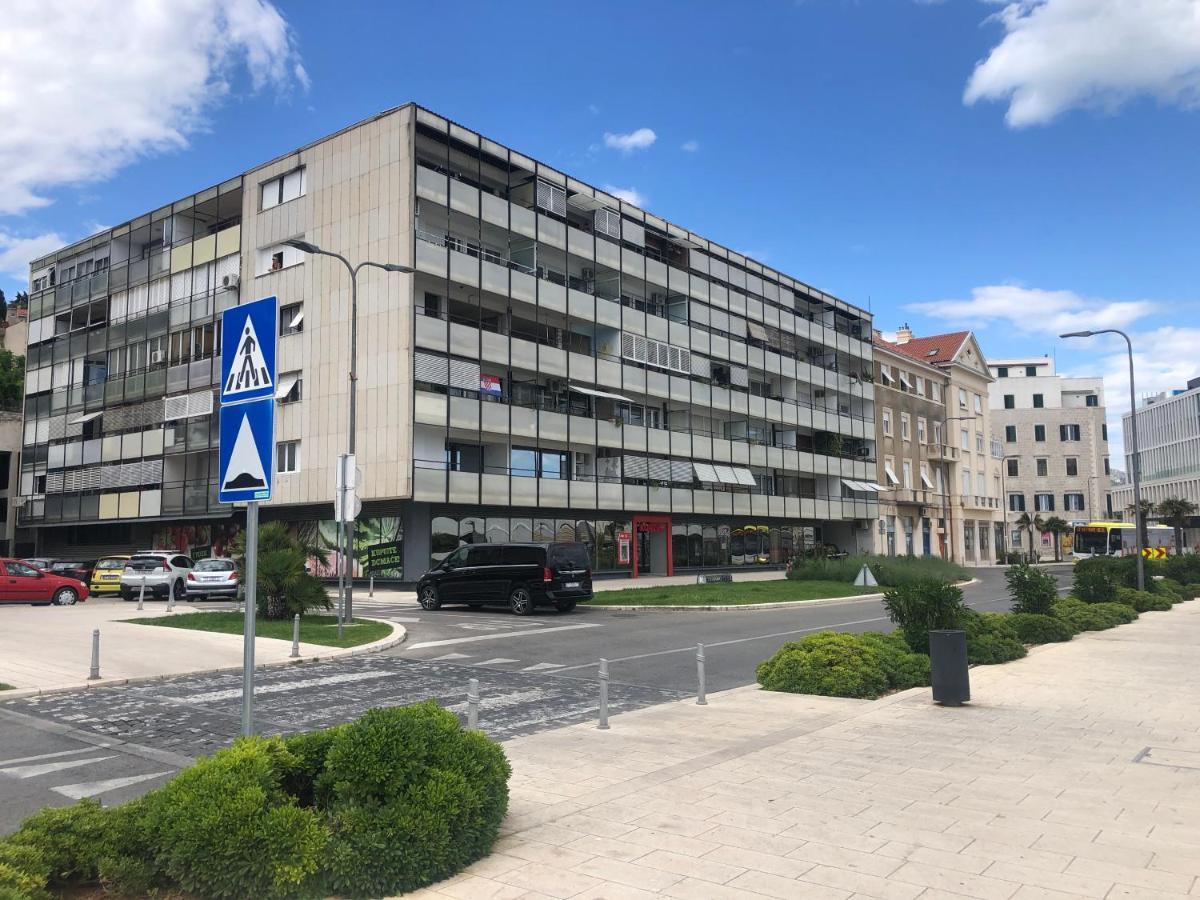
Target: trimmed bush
column 991, row 638
column 1168, row 586
column 1092, row 616
column 889, row 571
column 834, row 664
column 921, row 607
column 1096, row 580
column 1184, row 569
column 1143, row 601
column 1031, row 589
column 1118, row 611
column 1035, row 629
column 1191, row 592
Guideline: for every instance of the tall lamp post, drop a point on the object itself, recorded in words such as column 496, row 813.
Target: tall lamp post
column 1133, row 440
column 347, row 520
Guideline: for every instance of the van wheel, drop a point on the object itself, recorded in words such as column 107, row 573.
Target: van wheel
column 520, row 601
column 564, row 606
column 429, row 598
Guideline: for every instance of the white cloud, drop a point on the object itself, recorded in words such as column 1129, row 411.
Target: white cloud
column 16, row 252
column 690, row 146
column 629, row 195
column 1035, row 311
column 86, row 87
column 1062, row 54
column 627, row 143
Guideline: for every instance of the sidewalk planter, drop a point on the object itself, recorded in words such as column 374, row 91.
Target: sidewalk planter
column 948, row 667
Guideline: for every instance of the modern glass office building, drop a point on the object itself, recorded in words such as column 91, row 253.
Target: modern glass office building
column 562, row 365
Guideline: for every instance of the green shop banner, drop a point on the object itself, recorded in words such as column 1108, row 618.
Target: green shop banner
column 388, row 556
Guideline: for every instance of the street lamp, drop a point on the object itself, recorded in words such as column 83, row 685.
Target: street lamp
column 348, row 523
column 1133, row 440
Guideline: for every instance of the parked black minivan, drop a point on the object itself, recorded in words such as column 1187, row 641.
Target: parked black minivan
column 523, row 576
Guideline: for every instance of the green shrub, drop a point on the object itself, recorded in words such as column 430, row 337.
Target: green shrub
column 1119, row 612
column 1143, row 601
column 68, row 840
column 304, row 777
column 412, row 799
column 834, row 664
column 1035, row 629
column 1093, row 616
column 889, row 571
column 991, row 638
column 1184, row 569
column 224, row 827
column 904, row 668
column 1096, row 580
column 1191, row 591
column 921, row 607
column 1168, row 586
column 18, row 884
column 1031, row 589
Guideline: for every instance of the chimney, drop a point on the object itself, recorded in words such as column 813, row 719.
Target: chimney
column 903, row 334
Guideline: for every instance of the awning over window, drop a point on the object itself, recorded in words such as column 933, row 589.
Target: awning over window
column 296, row 320
column 286, row 383
column 892, row 479
column 86, row 417
column 757, row 331
column 863, row 486
column 726, row 475
column 744, row 476
column 925, row 480
column 592, row 392
column 883, row 370
column 706, row 473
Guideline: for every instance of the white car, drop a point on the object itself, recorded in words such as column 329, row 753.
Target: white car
column 216, row 577
column 163, row 573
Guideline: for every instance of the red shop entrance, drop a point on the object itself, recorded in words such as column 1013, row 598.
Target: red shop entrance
column 652, row 546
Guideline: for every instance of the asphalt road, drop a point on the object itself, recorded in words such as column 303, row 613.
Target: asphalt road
column 534, row 673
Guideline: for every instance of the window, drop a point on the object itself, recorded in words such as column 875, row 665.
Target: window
column 978, row 405
column 1010, row 434
column 1106, row 470
column 1039, row 432
column 889, row 468
column 1010, row 401
column 290, row 387
column 978, row 442
column 1043, row 466
column 204, row 341
column 907, row 469
column 920, row 386
column 887, row 422
column 1016, row 502
column 1043, row 502
column 966, row 482
column 1072, row 465
column 885, row 373
column 1091, row 400
column 1038, row 401
column 284, row 188
column 1015, row 538
column 1014, row 467
column 287, row 457
column 1068, row 432
column 1073, row 502
column 935, row 391
column 1002, row 371
column 1031, row 371
column 962, row 398
column 1104, row 432
column 921, row 432
column 272, row 259
column 937, row 433
column 291, row 319
column 905, row 427
column 964, row 439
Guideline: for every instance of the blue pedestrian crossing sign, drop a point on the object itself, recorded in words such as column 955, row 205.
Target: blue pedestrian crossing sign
column 248, row 335
column 248, row 377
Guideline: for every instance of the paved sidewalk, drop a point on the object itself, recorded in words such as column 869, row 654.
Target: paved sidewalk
column 49, row 648
column 1074, row 773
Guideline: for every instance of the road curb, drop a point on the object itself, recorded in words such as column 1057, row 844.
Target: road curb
column 398, row 636
column 752, row 607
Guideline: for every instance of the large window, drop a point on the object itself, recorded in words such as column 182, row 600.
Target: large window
column 1038, row 401
column 287, row 457
column 1014, row 467
column 284, row 188
column 1043, row 502
column 1010, row 402
column 1016, row 502
column 1043, row 466
column 1068, row 432
column 1072, row 465
column 1073, row 502
column 1039, row 432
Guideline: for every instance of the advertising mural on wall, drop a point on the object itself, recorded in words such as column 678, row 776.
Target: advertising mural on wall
column 368, row 532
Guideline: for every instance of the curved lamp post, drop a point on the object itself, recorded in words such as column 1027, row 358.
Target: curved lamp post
column 1133, row 440
column 348, row 525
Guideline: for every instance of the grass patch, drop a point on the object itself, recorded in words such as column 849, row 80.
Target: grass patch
column 739, row 593
column 6, row 687
column 313, row 629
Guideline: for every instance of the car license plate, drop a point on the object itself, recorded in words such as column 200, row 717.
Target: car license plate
column 214, row 578
column 571, row 584
column 110, row 577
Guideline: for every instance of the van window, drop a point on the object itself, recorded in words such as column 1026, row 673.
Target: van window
column 570, row 555
column 523, row 556
column 457, row 558
column 483, row 555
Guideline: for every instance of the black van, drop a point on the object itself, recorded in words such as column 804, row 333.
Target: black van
column 521, row 575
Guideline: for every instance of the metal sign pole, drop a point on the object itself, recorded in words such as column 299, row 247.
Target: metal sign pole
column 251, row 609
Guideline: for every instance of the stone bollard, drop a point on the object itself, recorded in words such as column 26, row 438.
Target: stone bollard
column 473, row 704
column 142, row 594
column 701, row 698
column 295, row 637
column 94, row 674
column 171, row 598
column 371, row 589
column 603, row 695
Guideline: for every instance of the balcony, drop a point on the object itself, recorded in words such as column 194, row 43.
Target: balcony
column 943, row 452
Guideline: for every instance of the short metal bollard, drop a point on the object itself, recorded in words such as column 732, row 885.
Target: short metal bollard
column 948, row 667
column 94, row 674
column 473, row 704
column 170, row 598
column 142, row 594
column 371, row 589
column 295, row 636
column 701, row 698
column 603, row 694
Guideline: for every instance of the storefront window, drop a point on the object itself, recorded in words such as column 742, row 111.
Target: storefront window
column 444, row 539
column 520, row 530
column 695, row 545
column 497, row 530
column 712, row 548
column 471, row 530
column 543, row 529
column 679, row 545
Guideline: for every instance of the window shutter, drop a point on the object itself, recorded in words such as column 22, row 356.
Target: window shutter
column 464, row 374
column 433, row 369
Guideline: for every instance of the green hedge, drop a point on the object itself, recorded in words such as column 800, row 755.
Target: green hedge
column 1092, row 616
column 1031, row 589
column 889, row 571
column 991, row 638
column 924, row 606
column 1144, row 601
column 1036, row 629
column 834, row 664
column 397, row 800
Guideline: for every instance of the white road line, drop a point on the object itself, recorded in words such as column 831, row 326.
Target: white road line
column 229, row 694
column 450, row 656
column 492, row 637
column 93, row 788
column 498, row 661
column 25, row 759
column 47, row 768
column 542, row 666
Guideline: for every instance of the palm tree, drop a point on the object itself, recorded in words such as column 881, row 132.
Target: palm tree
column 1029, row 523
column 1057, row 527
column 1147, row 512
column 1176, row 511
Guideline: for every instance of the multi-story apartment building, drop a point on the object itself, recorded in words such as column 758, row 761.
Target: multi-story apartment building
column 956, row 476
column 1169, row 452
column 562, row 364
column 1055, row 444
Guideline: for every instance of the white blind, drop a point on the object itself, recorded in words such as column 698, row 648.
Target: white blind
column 464, row 374
column 432, row 368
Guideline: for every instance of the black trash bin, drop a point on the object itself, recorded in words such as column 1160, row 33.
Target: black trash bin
column 948, row 667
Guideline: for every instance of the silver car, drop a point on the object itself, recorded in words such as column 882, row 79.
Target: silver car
column 163, row 574
column 216, row 577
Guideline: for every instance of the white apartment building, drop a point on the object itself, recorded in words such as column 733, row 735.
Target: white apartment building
column 1169, row 452
column 562, row 365
column 1055, row 444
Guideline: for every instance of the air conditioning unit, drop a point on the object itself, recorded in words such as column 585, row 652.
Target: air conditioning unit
column 156, row 357
column 231, row 282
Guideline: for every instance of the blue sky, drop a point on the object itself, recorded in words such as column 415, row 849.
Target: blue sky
column 950, row 164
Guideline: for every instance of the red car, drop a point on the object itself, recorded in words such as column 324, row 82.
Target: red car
column 21, row 583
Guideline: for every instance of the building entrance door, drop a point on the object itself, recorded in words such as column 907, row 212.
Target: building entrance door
column 652, row 546
column 925, row 542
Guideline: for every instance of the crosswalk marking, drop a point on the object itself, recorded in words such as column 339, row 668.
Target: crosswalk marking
column 450, row 656
column 93, row 788
column 496, row 637
column 499, row 660
column 230, row 693
column 538, row 667
column 47, row 768
column 27, row 759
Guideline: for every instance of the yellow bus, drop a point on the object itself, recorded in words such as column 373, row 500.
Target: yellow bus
column 1116, row 539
